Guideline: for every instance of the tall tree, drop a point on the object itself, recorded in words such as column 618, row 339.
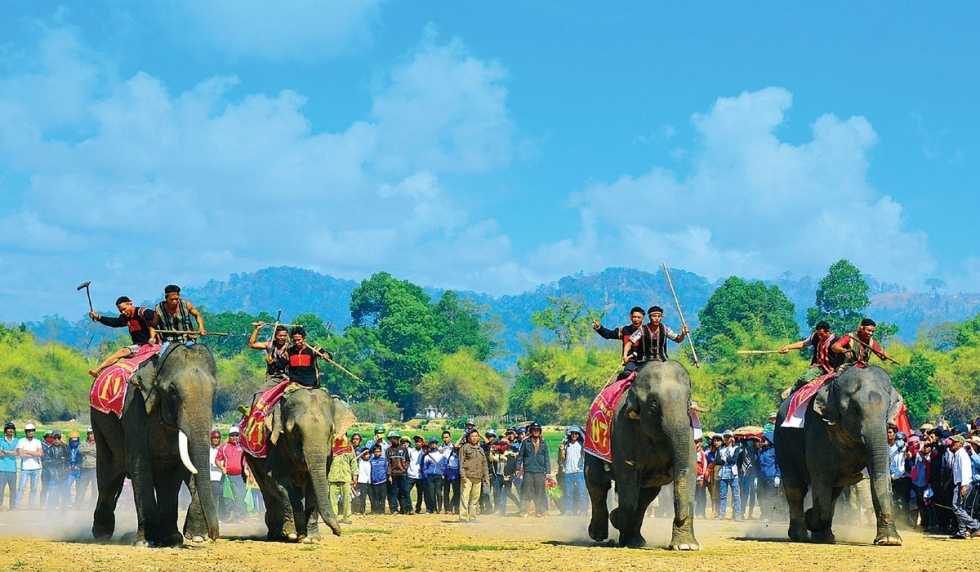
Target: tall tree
column 459, row 326
column 752, row 306
column 842, row 297
column 463, row 385
column 564, row 318
column 915, row 382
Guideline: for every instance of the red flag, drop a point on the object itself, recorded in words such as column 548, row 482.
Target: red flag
column 902, row 421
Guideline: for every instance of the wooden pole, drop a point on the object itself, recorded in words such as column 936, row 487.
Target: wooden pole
column 670, row 283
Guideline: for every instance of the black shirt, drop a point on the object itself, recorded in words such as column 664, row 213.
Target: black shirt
column 139, row 324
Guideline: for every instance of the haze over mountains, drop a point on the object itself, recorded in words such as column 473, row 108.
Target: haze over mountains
column 614, row 291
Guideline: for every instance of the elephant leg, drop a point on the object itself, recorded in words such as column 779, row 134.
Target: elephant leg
column 110, row 477
column 887, row 534
column 682, row 534
column 629, row 531
column 820, row 518
column 312, row 516
column 795, row 492
column 598, row 482
column 168, row 490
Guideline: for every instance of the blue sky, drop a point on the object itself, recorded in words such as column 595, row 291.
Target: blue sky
column 480, row 145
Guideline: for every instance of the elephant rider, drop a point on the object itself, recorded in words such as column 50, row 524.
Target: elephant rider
column 276, row 358
column 137, row 319
column 822, row 361
column 623, row 333
column 303, row 359
column 650, row 341
column 174, row 314
column 858, row 346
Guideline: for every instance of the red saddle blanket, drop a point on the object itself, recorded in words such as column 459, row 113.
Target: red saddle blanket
column 109, row 390
column 798, row 401
column 598, row 428
column 254, row 437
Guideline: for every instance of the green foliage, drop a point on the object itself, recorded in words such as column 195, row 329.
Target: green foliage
column 968, row 332
column 375, row 411
column 462, row 384
column 460, row 327
column 842, row 297
column 41, row 383
column 239, row 377
column 914, row 382
column 564, row 319
column 751, row 307
column 557, row 385
column 236, row 324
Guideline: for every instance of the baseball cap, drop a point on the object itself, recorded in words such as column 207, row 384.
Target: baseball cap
column 900, row 436
column 958, row 439
column 470, row 422
column 234, row 431
column 30, row 427
column 491, row 433
column 56, row 434
column 216, row 433
column 772, row 414
column 434, row 440
column 728, row 433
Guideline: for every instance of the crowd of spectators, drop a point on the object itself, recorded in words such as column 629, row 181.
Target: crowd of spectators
column 55, row 473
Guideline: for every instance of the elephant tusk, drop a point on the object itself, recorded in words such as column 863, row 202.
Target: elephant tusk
column 184, row 456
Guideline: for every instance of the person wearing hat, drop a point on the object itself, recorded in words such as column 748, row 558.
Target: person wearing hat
column 921, row 463
column 54, row 473
column 649, row 341
column 399, row 500
column 433, row 471
column 451, row 486
column 74, row 466
column 379, row 438
column 136, row 319
column 214, row 470
column 967, row 526
column 342, row 478
column 230, row 458
column 30, row 451
column 474, row 474
column 901, row 478
column 770, row 425
column 570, row 457
column 769, row 479
column 8, row 465
column 623, row 334
column 728, row 458
column 86, row 477
column 535, row 462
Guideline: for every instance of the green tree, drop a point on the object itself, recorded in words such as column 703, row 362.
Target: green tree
column 753, row 306
column 558, row 385
column 238, row 326
column 915, row 382
column 842, row 297
column 565, row 320
column 41, row 382
column 402, row 349
column 459, row 326
column 464, row 385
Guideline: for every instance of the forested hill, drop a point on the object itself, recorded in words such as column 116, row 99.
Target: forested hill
column 612, row 292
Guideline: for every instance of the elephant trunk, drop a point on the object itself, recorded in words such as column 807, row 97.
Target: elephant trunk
column 318, row 465
column 879, row 463
column 196, row 440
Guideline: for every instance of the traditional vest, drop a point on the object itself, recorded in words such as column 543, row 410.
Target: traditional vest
column 181, row 321
column 821, row 353
column 652, row 345
column 861, row 351
column 280, row 360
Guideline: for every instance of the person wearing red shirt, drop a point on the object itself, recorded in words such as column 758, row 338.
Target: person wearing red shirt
column 858, row 346
column 231, row 460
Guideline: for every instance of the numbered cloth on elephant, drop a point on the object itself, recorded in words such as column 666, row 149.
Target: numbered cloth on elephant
column 254, row 438
column 109, row 390
column 598, row 429
column 798, row 401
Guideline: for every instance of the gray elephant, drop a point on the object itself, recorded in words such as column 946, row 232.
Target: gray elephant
column 652, row 444
column 160, row 441
column 826, row 458
column 293, row 476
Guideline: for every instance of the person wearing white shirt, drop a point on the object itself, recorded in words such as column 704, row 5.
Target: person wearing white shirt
column 962, row 481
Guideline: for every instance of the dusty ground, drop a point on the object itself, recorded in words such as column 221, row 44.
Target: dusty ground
column 29, row 541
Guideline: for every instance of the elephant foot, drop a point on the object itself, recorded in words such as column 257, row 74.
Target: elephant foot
column 825, row 536
column 102, row 533
column 632, row 540
column 311, row 539
column 599, row 530
column 685, row 547
column 195, row 538
column 888, row 536
column 292, row 536
column 683, row 539
column 798, row 532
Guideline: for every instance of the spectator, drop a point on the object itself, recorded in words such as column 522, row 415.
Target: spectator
column 74, row 467
column 433, row 473
column 379, row 479
column 362, row 488
column 570, row 456
column 230, row 459
column 533, row 460
column 46, row 442
column 769, row 478
column 415, row 477
column 748, row 471
column 86, row 477
column 399, row 500
column 55, row 464
column 728, row 461
column 214, row 470
column 921, row 467
column 30, row 452
column 967, row 526
column 503, row 459
column 701, row 470
column 452, row 483
column 342, row 477
column 941, row 480
column 8, row 465
column 901, row 480
column 472, row 471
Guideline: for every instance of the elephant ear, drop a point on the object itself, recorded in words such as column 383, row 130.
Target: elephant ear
column 145, row 380
column 273, row 423
column 343, row 417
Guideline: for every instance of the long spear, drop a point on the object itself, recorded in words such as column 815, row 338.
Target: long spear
column 670, row 283
column 757, row 352
column 192, row 333
column 887, row 357
column 335, row 364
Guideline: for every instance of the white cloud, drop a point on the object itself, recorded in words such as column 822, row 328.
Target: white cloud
column 752, row 204
column 303, row 30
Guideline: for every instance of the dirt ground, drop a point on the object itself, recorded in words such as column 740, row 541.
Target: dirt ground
column 30, row 540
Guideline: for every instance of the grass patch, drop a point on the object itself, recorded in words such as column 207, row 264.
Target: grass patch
column 307, row 548
column 366, row 531
column 480, row 547
column 19, row 564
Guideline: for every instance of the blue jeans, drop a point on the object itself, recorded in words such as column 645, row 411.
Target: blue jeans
column 73, row 476
column 34, row 476
column 575, row 494
column 8, row 484
column 723, row 486
column 399, row 496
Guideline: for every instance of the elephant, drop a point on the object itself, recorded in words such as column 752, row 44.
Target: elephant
column 293, row 476
column 160, row 441
column 826, row 458
column 652, row 444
